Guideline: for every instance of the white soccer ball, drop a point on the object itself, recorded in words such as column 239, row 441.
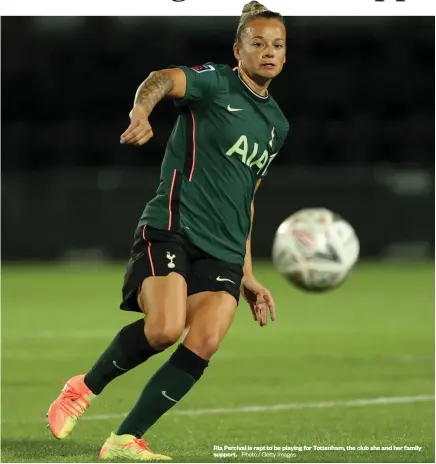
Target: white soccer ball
column 315, row 249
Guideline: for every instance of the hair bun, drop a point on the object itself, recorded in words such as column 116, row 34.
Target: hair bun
column 253, row 7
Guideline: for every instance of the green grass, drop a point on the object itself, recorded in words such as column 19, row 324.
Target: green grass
column 372, row 338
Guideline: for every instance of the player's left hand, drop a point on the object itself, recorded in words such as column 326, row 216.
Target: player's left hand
column 259, row 299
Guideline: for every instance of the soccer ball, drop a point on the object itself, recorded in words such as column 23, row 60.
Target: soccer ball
column 315, row 249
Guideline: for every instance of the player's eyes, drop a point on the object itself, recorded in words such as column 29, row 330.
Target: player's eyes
column 279, row 45
column 257, row 44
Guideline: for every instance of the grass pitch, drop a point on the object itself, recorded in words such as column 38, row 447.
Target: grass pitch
column 353, row 368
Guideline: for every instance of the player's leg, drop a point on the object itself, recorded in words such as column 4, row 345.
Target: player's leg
column 211, row 308
column 163, row 328
column 153, row 285
column 213, row 298
column 166, row 388
column 163, row 301
column 210, row 315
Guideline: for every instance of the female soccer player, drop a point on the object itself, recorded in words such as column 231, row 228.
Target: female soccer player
column 191, row 256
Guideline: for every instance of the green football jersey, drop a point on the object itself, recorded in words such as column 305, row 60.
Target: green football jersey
column 224, row 140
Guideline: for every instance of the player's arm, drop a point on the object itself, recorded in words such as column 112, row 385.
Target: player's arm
column 257, row 296
column 158, row 85
column 248, row 263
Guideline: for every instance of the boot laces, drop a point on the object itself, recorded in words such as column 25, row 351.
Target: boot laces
column 139, row 443
column 73, row 402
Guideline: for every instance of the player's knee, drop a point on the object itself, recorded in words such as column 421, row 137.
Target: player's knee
column 208, row 345
column 163, row 336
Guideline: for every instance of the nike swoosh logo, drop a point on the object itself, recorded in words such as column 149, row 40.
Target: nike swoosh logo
column 234, row 109
column 221, row 279
column 118, row 367
column 164, row 393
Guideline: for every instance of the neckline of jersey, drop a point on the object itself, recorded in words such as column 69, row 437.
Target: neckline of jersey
column 251, row 92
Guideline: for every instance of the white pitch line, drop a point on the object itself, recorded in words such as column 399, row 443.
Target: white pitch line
column 271, row 408
column 286, row 407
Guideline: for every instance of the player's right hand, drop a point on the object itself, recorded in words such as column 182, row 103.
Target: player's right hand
column 139, row 130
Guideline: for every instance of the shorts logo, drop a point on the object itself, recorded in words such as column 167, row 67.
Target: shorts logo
column 171, row 257
column 203, row 68
column 222, row 279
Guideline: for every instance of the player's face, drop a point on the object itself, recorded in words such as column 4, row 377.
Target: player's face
column 262, row 51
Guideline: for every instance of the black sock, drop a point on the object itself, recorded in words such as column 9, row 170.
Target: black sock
column 128, row 349
column 168, row 385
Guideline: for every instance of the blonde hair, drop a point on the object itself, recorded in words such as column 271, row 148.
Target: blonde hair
column 253, row 7
column 251, row 11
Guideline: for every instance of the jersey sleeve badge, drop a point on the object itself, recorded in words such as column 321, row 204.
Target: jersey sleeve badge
column 203, row 68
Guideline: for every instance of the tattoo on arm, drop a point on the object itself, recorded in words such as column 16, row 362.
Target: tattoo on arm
column 152, row 90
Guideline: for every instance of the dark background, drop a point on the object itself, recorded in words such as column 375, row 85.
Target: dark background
column 358, row 92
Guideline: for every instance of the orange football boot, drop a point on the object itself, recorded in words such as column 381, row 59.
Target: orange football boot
column 130, row 448
column 74, row 400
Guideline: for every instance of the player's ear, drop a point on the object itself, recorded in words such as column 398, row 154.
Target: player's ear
column 236, row 51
